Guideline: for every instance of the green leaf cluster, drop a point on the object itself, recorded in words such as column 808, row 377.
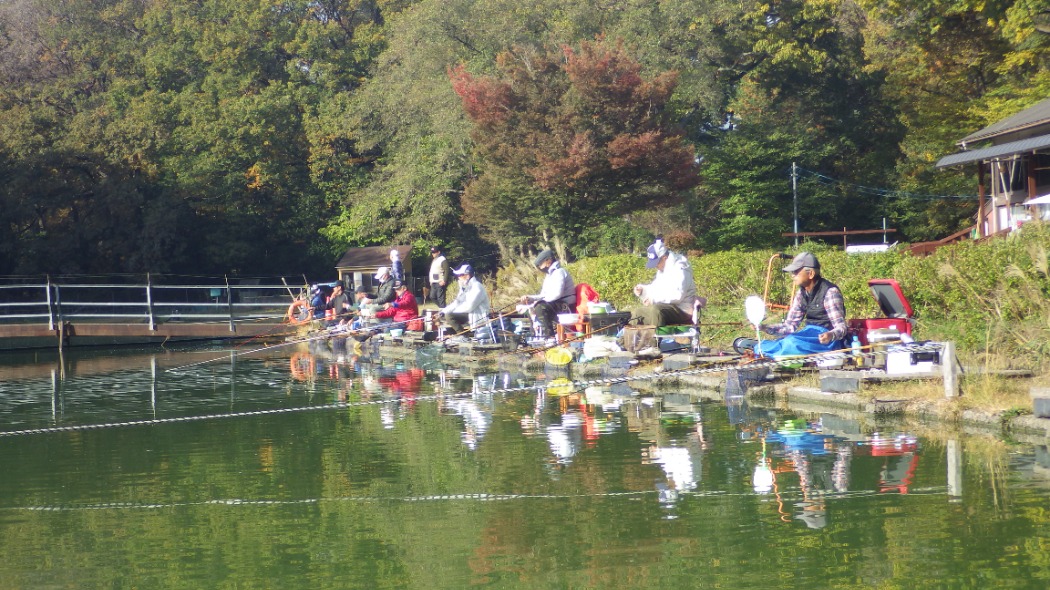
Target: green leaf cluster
column 252, row 136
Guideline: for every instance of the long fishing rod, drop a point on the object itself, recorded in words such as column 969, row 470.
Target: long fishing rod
column 244, row 352
column 486, row 323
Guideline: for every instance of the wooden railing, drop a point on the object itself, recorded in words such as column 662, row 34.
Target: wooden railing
column 927, row 248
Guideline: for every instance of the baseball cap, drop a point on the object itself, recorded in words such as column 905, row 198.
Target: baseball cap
column 383, row 270
column 802, row 260
column 543, row 257
column 656, row 251
column 398, row 284
column 466, row 269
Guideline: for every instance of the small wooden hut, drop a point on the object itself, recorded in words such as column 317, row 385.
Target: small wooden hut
column 358, row 265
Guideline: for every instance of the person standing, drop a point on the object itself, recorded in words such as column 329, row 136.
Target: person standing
column 397, row 268
column 471, row 305
column 671, row 298
column 557, row 295
column 440, row 276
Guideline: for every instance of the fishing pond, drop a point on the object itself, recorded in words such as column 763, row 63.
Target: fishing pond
column 213, row 466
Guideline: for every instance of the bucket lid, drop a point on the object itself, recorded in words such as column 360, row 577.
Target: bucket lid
column 558, row 356
column 891, row 300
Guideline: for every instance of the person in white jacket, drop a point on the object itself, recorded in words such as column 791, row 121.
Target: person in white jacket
column 471, row 305
column 671, row 298
column 558, row 294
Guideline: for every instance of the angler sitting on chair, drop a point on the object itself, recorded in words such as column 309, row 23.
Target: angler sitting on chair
column 819, row 302
column 558, row 294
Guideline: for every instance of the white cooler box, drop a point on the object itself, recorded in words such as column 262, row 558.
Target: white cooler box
column 902, row 362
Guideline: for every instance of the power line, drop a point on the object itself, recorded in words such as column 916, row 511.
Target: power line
column 887, row 193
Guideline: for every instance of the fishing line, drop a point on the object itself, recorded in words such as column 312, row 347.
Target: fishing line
column 271, row 347
column 798, row 494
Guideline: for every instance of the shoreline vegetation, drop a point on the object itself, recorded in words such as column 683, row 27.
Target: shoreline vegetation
column 991, row 298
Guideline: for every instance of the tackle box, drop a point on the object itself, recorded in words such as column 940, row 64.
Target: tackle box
column 894, row 306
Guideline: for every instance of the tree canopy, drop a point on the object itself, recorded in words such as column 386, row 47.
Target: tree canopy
column 253, row 136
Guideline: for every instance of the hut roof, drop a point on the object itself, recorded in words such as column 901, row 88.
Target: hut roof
column 372, row 257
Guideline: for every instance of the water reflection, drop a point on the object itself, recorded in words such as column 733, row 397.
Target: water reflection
column 403, row 456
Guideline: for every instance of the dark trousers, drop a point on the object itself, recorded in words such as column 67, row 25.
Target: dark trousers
column 662, row 314
column 437, row 293
column 547, row 315
column 457, row 322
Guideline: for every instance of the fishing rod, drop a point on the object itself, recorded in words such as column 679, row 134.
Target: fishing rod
column 486, row 323
column 709, row 368
column 264, row 348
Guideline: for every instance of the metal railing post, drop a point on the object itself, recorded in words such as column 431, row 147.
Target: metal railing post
column 149, row 303
column 229, row 302
column 50, row 309
column 58, row 305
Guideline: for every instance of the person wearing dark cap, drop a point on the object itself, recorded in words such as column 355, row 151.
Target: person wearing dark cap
column 403, row 308
column 471, row 305
column 338, row 304
column 671, row 298
column 557, row 295
column 818, row 302
column 440, row 276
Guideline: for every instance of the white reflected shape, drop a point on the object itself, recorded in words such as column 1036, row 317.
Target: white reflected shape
column 763, row 479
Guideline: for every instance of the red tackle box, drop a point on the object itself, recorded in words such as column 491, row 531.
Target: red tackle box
column 887, row 293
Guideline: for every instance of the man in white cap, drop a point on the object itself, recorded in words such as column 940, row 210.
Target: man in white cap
column 819, row 303
column 671, row 298
column 557, row 295
column 385, row 292
column 471, row 305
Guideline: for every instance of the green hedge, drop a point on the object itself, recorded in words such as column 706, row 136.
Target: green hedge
column 991, row 294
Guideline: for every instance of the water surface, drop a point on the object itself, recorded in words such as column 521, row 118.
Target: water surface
column 310, row 468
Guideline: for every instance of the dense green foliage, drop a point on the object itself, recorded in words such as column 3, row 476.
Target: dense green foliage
column 260, row 136
column 993, row 294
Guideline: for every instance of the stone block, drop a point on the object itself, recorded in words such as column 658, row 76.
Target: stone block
column 840, row 384
column 676, row 362
column 1040, row 401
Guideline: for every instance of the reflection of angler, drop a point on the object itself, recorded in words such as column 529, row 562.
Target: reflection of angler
column 564, row 439
column 897, row 473
column 405, row 385
column 901, row 460
column 840, row 471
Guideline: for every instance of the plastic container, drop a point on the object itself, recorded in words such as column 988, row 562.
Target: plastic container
column 397, row 333
column 858, row 359
column 598, row 308
column 568, row 318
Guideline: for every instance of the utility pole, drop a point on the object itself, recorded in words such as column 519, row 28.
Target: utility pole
column 794, row 193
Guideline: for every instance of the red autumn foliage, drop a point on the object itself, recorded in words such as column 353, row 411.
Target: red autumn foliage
column 583, row 125
column 486, row 101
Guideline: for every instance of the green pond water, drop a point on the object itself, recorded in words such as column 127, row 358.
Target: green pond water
column 318, row 470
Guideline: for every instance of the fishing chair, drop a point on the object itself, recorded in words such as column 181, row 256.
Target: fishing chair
column 585, row 294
